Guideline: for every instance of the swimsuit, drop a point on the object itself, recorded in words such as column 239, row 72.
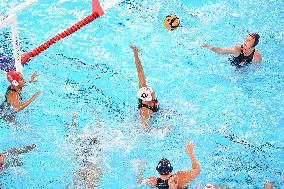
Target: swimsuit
column 242, row 60
column 2, row 166
column 154, row 108
column 5, row 107
column 163, row 184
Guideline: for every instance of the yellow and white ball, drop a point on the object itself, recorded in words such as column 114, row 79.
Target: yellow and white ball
column 171, row 22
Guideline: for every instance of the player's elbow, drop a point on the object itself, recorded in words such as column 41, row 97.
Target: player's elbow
column 16, row 108
column 196, row 170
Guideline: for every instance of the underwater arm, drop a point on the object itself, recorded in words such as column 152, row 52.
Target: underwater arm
column 151, row 181
column 257, row 58
column 74, row 123
column 15, row 151
column 139, row 174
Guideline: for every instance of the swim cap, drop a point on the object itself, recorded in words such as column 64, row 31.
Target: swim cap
column 207, row 186
column 13, row 77
column 164, row 167
column 145, row 93
column 256, row 38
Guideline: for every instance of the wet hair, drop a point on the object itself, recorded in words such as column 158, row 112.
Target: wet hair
column 256, row 38
column 164, row 167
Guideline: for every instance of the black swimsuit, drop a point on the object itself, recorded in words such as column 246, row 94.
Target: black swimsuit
column 242, row 60
column 163, row 184
column 154, row 108
column 2, row 166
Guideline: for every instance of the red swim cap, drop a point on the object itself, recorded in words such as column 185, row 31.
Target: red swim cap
column 13, row 77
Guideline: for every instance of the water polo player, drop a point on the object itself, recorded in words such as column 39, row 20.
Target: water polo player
column 147, row 101
column 242, row 55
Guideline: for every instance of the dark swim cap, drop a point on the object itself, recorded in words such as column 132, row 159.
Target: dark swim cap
column 164, row 167
column 256, row 38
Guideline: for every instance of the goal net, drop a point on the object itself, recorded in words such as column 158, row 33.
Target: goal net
column 10, row 58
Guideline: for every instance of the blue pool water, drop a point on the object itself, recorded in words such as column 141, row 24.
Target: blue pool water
column 234, row 117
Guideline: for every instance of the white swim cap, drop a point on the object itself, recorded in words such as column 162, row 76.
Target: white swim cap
column 145, row 93
column 209, row 186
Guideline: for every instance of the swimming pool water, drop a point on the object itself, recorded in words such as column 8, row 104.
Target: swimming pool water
column 234, row 117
